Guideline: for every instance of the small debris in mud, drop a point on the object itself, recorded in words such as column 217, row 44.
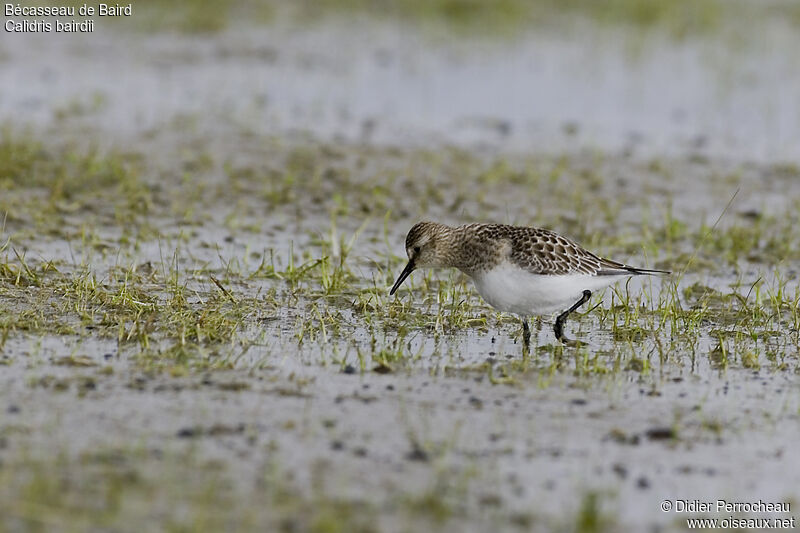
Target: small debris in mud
column 169, row 387
column 752, row 214
column 49, row 381
column 74, row 360
column 224, row 429
column 661, row 433
column 337, row 445
column 417, row 453
column 642, row 483
column 85, row 384
column 349, row 369
column 138, row 383
column 234, row 386
column 213, row 431
column 491, row 500
column 383, row 368
column 522, row 520
column 355, row 396
column 620, row 437
column 289, row 392
column 188, row 433
column 620, row 470
column 476, row 402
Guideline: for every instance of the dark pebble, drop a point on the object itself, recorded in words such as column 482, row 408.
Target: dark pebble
column 660, row 433
column 417, row 454
column 188, row 433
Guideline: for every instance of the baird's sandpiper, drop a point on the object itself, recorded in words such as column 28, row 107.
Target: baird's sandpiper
column 521, row 270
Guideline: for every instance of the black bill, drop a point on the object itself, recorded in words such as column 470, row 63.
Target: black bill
column 403, row 275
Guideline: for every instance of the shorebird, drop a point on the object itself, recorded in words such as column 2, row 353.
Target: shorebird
column 522, row 270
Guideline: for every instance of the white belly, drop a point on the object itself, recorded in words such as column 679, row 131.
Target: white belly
column 511, row 289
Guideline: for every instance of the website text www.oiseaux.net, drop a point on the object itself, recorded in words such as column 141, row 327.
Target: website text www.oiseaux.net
column 732, row 522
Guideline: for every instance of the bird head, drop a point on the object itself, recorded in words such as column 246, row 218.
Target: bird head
column 425, row 249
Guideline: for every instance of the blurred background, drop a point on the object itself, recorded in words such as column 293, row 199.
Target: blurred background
column 709, row 76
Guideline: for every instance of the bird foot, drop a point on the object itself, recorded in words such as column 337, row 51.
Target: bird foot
column 526, row 339
column 558, row 327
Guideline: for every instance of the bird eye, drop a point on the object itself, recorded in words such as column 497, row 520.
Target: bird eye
column 416, row 249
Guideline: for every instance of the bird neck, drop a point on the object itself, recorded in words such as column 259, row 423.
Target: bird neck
column 472, row 252
column 455, row 250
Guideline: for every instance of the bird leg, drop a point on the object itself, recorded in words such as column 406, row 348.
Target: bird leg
column 562, row 318
column 526, row 333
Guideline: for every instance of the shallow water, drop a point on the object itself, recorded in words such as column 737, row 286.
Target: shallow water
column 465, row 432
column 550, row 90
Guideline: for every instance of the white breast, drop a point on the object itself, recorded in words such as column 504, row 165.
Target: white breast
column 512, row 289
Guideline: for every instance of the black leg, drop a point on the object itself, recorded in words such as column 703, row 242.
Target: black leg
column 526, row 333
column 562, row 318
